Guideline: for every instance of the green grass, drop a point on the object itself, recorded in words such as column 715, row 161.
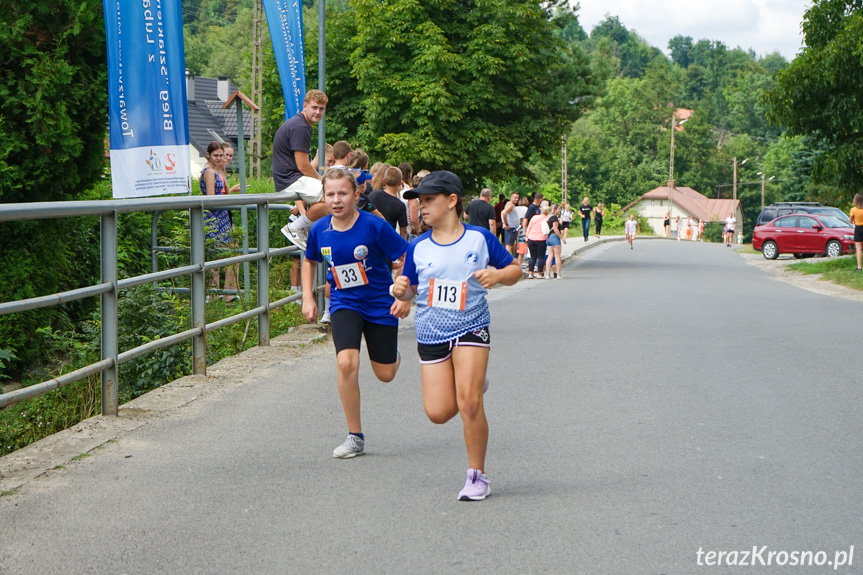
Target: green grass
column 746, row 249
column 837, row 270
column 8, row 493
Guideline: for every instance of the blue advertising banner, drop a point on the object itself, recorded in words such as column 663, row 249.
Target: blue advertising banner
column 148, row 121
column 285, row 22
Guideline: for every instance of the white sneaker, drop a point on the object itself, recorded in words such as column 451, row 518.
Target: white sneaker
column 297, row 237
column 326, row 317
column 352, row 447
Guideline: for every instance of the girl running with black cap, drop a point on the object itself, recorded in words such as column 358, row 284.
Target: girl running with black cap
column 448, row 269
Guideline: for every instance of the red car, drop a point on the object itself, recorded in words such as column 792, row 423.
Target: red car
column 802, row 234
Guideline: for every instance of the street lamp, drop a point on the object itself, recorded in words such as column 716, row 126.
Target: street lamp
column 734, row 185
column 763, row 183
column 671, row 164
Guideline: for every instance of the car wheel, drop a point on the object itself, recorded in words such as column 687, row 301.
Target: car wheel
column 834, row 249
column 770, row 250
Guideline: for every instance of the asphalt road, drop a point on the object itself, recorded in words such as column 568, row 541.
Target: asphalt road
column 653, row 403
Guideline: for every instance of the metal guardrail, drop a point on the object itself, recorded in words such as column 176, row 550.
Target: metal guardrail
column 109, row 286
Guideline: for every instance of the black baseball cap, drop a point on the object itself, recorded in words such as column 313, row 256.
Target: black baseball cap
column 440, row 182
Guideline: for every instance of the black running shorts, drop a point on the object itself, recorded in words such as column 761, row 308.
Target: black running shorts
column 438, row 352
column 348, row 328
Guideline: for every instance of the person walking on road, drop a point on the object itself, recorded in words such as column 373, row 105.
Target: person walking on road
column 356, row 246
column 666, row 224
column 629, row 229
column 481, row 212
column 730, row 224
column 521, row 242
column 449, row 269
column 857, row 220
column 565, row 219
column 554, row 244
column 678, row 223
column 537, row 235
column 511, row 223
column 598, row 214
column 584, row 211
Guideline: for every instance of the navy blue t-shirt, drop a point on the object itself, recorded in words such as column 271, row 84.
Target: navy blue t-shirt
column 370, row 243
column 294, row 134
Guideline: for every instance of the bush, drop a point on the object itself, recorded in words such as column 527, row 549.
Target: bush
column 713, row 232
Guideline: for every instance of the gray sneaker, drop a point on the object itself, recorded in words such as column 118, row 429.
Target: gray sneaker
column 352, row 447
column 296, row 236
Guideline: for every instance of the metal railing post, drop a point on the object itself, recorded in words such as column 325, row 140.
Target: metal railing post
column 199, row 286
column 264, row 274
column 154, row 242
column 110, row 314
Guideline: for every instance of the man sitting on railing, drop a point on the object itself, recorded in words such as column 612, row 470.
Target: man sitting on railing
column 292, row 169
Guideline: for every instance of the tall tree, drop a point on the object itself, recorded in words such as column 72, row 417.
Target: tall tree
column 680, row 47
column 53, row 79
column 474, row 87
column 819, row 93
column 52, row 85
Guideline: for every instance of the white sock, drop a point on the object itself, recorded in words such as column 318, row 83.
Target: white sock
column 295, row 289
column 326, row 305
column 302, row 223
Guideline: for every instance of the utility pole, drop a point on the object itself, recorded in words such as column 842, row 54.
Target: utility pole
column 671, row 167
column 564, row 193
column 255, row 152
column 734, row 181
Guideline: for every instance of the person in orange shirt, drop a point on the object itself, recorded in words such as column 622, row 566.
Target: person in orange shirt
column 857, row 220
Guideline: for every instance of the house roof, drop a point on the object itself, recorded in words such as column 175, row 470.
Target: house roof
column 227, row 117
column 209, row 121
column 693, row 203
column 204, row 128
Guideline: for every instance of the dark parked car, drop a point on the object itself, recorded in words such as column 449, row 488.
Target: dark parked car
column 802, row 234
column 773, row 211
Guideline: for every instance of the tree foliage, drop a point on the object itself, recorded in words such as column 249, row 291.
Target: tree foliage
column 53, row 126
column 52, row 85
column 818, row 95
column 476, row 87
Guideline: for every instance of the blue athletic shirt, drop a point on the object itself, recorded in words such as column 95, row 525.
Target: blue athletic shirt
column 370, row 241
column 476, row 249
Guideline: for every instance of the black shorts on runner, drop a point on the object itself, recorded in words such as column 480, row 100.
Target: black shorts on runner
column 438, row 352
column 858, row 233
column 348, row 328
column 564, row 225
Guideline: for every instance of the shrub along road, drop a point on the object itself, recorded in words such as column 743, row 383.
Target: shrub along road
column 652, row 403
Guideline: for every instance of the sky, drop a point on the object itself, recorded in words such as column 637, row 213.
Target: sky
column 763, row 25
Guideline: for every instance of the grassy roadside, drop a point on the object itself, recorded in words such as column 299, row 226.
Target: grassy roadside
column 837, row 270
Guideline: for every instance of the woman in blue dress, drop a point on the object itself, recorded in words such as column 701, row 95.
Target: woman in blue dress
column 218, row 222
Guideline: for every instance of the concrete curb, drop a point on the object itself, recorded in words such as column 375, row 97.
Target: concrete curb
column 64, row 448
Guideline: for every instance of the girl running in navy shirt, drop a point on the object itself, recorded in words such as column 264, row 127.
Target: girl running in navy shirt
column 447, row 268
column 355, row 246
